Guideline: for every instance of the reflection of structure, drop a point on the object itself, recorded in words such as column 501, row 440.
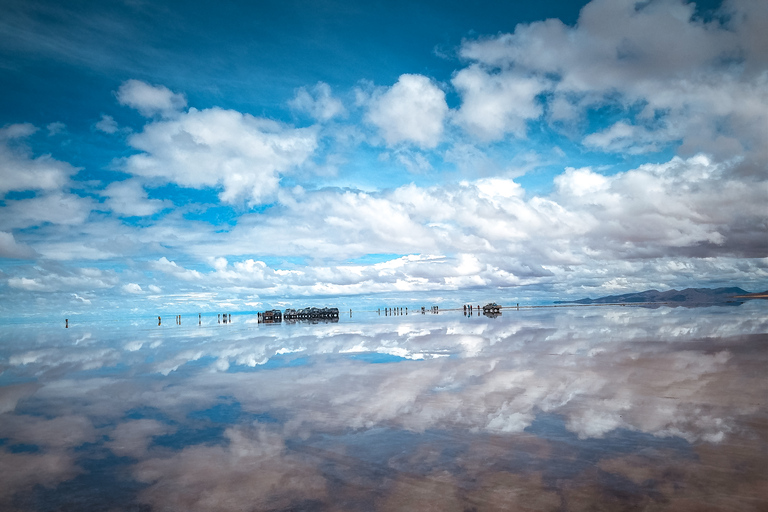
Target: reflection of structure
column 311, row 320
column 313, row 313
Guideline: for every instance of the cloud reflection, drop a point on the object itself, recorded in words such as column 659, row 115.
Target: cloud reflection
column 286, row 402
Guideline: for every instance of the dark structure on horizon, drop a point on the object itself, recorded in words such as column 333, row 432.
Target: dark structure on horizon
column 273, row 316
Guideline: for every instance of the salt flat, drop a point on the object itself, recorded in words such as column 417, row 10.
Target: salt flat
column 583, row 408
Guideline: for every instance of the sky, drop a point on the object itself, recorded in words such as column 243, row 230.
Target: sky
column 196, row 156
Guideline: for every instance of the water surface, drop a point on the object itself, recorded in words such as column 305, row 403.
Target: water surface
column 582, row 408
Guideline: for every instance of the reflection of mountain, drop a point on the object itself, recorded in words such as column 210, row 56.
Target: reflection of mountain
column 758, row 295
column 688, row 296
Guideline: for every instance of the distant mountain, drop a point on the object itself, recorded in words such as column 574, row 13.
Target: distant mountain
column 689, row 295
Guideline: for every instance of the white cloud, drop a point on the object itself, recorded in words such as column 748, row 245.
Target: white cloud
column 57, row 280
column 129, row 198
column 106, row 124
column 150, row 100
column 20, row 171
column 709, row 92
column 592, row 225
column 55, row 208
column 628, row 139
column 170, row 267
column 660, row 225
column 56, row 128
column 244, row 155
column 411, row 111
column 83, row 249
column 318, row 102
column 132, row 288
column 10, row 248
column 497, row 103
column 81, row 299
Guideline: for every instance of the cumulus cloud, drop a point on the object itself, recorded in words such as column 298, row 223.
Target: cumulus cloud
column 627, row 139
column 318, row 102
column 10, row 248
column 130, row 199
column 650, row 225
column 132, row 288
column 54, row 208
column 242, row 154
column 106, row 124
column 59, row 279
column 170, row 267
column 659, row 225
column 497, row 103
column 691, row 218
column 55, row 128
column 654, row 209
column 81, row 299
column 20, row 171
column 411, row 111
column 148, row 99
column 708, row 93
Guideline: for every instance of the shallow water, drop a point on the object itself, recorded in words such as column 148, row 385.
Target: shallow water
column 579, row 408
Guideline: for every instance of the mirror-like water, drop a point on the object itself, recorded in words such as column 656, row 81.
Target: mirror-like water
column 583, row 408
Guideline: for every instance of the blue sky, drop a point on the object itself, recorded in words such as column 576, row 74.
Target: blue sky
column 173, row 156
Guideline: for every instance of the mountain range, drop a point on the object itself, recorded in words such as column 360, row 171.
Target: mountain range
column 689, row 295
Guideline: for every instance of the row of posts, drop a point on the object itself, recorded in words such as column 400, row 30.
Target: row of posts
column 221, row 318
column 404, row 311
column 227, row 317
